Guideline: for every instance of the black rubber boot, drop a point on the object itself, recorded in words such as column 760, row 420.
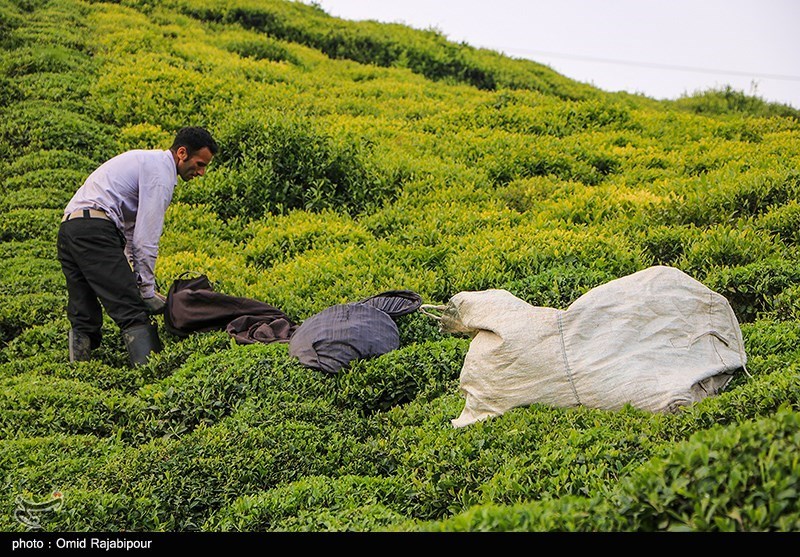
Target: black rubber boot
column 79, row 346
column 141, row 341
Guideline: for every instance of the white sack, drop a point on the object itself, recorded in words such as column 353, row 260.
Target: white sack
column 657, row 339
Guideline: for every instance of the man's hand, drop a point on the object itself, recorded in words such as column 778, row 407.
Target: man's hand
column 156, row 304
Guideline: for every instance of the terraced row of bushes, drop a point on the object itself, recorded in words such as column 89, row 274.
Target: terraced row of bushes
column 357, row 158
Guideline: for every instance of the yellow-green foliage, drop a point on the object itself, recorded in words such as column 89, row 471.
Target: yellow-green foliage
column 356, row 158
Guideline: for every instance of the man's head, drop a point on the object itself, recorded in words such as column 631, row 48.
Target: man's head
column 193, row 150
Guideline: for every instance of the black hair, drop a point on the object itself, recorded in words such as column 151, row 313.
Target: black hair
column 194, row 138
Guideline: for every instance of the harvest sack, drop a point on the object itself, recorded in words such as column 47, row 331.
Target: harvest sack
column 657, row 339
column 331, row 339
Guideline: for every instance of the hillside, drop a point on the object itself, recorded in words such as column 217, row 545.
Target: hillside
column 357, row 158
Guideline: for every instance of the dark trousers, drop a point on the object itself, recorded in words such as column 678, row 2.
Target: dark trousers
column 92, row 256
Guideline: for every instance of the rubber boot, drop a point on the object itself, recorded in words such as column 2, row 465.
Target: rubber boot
column 79, row 346
column 141, row 341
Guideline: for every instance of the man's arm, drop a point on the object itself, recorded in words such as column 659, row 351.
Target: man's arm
column 156, row 186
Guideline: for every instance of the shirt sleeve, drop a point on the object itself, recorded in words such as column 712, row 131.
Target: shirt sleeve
column 156, row 186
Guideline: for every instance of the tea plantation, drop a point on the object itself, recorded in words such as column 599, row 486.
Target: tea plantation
column 356, row 158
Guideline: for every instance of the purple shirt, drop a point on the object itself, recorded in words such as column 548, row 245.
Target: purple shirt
column 134, row 189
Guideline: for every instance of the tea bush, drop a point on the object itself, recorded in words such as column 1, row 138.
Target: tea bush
column 782, row 220
column 356, row 158
column 63, row 179
column 415, row 372
column 26, row 224
column 674, row 493
column 49, row 198
column 317, row 503
column 56, row 162
column 284, row 238
column 32, row 409
column 41, row 59
column 262, row 48
column 29, row 127
column 727, row 100
column 282, row 164
column 752, row 288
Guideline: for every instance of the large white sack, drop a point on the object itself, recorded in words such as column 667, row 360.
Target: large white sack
column 657, row 339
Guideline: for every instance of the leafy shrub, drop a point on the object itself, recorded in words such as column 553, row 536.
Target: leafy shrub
column 178, row 93
column 32, row 290
column 362, row 42
column 512, row 259
column 30, row 127
column 32, row 408
column 54, row 463
column 182, row 481
column 45, row 198
column 10, row 92
column 369, row 504
column 345, row 171
column 68, row 90
column 728, row 100
column 25, row 310
column 43, row 59
column 43, row 344
column 283, row 238
column 751, row 289
column 675, row 492
column 46, row 23
column 718, row 198
column 144, row 136
column 528, row 194
column 44, row 161
column 206, row 389
column 721, row 246
column 418, row 328
column 559, row 285
column 28, row 273
column 783, row 220
column 198, row 229
column 52, row 361
column 667, row 245
column 424, row 370
column 88, row 508
column 765, row 337
column 285, row 164
column 523, row 112
column 10, row 19
column 25, row 224
column 755, row 193
column 787, row 304
column 63, row 179
column 568, row 162
column 320, row 278
column 261, row 48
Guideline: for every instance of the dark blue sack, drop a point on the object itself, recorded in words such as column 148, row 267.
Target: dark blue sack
column 331, row 339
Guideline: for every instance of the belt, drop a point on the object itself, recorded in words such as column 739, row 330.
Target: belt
column 85, row 214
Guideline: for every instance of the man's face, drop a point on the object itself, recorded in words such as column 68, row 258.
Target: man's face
column 189, row 167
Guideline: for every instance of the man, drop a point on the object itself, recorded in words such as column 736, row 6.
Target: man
column 108, row 242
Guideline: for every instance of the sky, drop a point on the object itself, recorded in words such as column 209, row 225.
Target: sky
column 663, row 49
